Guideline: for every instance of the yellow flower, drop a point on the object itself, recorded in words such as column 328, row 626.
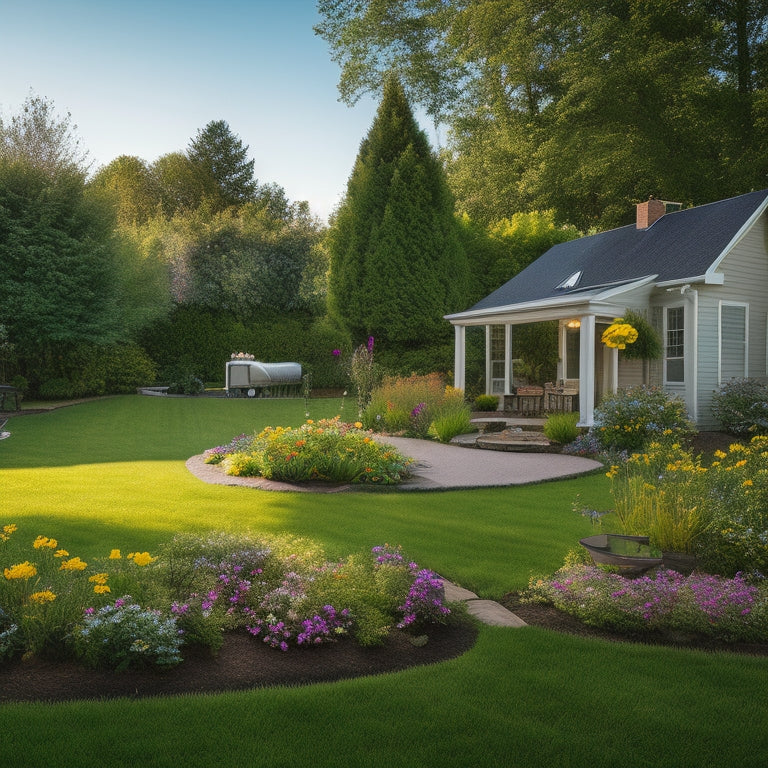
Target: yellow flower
column 101, row 589
column 747, row 483
column 359, row 424
column 141, row 558
column 61, row 553
column 41, row 598
column 73, row 564
column 23, row 570
column 7, row 531
column 114, row 554
column 44, row 541
column 720, row 454
column 98, row 578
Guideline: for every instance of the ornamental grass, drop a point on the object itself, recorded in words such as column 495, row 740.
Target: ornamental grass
column 719, row 512
column 418, row 406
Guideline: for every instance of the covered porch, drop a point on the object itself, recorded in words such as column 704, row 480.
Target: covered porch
column 586, row 369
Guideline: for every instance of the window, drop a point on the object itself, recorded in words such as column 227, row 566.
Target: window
column 674, row 362
column 733, row 341
column 498, row 359
column 572, row 352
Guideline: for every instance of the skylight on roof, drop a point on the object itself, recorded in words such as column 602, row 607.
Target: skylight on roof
column 571, row 282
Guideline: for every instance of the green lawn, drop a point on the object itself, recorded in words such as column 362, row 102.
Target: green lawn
column 110, row 474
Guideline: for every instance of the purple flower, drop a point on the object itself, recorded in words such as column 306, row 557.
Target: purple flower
column 336, row 352
column 370, row 343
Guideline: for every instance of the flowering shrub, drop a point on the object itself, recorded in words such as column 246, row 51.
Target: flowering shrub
column 329, row 450
column 418, row 406
column 741, row 407
column 727, row 609
column 124, row 634
column 631, row 418
column 717, row 512
column 42, row 592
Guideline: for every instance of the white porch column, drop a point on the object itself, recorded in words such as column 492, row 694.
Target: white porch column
column 459, row 356
column 507, row 360
column 587, row 371
column 488, row 366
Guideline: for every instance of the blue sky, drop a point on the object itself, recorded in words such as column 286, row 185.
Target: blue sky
column 140, row 77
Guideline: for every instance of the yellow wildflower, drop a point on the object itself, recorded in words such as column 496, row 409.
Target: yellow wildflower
column 720, row 454
column 44, row 541
column 98, row 578
column 73, row 564
column 101, row 589
column 114, row 554
column 41, row 598
column 23, row 570
column 747, row 483
column 61, row 553
column 7, row 531
column 359, row 424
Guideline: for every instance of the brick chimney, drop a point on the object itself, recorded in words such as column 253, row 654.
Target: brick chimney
column 650, row 211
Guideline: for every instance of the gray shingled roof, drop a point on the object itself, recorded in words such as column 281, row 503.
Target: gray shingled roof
column 678, row 246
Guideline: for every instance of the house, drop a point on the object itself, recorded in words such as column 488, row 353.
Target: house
column 699, row 276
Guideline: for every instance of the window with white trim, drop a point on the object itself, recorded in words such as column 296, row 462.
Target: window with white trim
column 498, row 359
column 674, row 346
column 733, row 340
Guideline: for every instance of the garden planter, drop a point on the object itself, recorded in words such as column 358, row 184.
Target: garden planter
column 630, row 552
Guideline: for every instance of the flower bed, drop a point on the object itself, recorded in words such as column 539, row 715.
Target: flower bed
column 328, row 450
column 700, row 604
column 282, row 591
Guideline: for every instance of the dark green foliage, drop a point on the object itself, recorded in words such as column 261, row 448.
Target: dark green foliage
column 220, row 162
column 585, row 108
column 198, row 342
column 57, row 279
column 536, row 345
column 486, row 402
column 741, row 407
column 88, row 369
column 397, row 265
column 648, row 344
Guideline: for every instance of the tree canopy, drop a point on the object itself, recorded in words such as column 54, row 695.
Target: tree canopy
column 582, row 107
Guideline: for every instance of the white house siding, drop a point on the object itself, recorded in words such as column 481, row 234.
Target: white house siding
column 746, row 282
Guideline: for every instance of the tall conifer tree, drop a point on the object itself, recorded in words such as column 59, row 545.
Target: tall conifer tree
column 397, row 265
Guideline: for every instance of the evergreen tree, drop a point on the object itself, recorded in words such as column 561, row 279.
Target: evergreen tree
column 220, row 159
column 397, row 265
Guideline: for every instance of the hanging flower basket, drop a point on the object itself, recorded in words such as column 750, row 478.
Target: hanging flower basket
column 619, row 334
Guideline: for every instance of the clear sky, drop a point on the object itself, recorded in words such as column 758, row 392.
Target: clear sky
column 141, row 77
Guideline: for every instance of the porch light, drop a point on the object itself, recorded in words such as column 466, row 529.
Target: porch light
column 573, row 324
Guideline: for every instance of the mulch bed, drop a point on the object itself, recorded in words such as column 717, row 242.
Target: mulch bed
column 242, row 663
